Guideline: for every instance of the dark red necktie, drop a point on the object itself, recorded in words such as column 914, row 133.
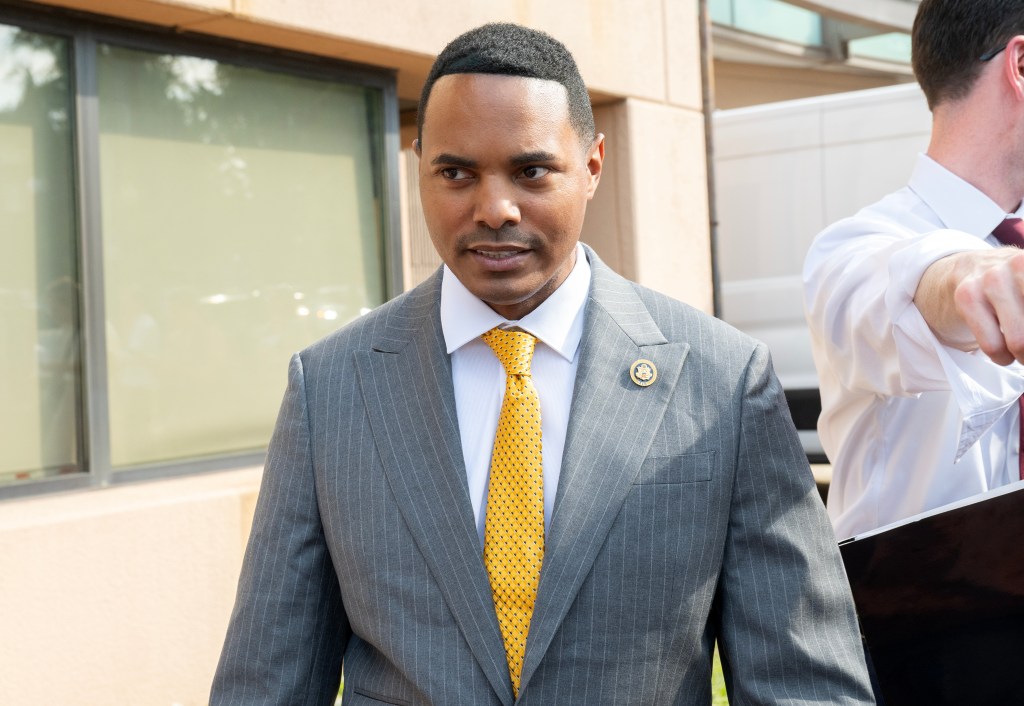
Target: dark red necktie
column 1011, row 232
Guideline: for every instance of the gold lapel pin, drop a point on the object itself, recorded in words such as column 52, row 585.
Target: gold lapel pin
column 643, row 372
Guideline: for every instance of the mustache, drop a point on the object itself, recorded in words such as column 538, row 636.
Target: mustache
column 506, row 235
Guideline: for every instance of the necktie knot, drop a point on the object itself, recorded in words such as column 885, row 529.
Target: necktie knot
column 1010, row 232
column 513, row 348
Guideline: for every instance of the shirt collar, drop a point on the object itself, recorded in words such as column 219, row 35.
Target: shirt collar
column 557, row 322
column 959, row 205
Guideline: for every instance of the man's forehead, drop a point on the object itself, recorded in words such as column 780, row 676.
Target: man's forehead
column 459, row 102
column 498, row 89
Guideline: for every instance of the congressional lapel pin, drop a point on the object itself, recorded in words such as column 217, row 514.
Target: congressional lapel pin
column 643, row 372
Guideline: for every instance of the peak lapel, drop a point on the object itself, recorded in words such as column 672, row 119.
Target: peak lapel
column 611, row 426
column 407, row 389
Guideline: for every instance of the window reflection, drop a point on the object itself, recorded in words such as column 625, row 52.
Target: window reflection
column 242, row 219
column 226, row 191
column 27, row 61
column 39, row 360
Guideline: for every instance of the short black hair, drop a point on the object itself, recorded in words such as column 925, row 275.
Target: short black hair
column 513, row 50
column 950, row 37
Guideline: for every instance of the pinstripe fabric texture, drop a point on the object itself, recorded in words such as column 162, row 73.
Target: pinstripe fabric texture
column 685, row 513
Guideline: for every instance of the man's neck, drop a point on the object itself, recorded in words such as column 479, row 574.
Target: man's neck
column 991, row 158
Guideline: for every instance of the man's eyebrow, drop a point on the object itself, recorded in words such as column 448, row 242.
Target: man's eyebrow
column 519, row 160
column 453, row 161
column 530, row 157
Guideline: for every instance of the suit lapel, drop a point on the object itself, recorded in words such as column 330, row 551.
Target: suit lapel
column 407, row 388
column 612, row 424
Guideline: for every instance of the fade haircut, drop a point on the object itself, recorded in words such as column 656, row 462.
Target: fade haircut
column 950, row 37
column 512, row 50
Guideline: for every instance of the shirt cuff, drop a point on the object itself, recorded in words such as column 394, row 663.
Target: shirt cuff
column 983, row 390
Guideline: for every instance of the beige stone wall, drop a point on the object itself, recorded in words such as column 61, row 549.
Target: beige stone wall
column 643, row 48
column 122, row 595
column 737, row 85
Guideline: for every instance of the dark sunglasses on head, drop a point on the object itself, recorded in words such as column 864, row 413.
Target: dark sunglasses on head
column 991, row 53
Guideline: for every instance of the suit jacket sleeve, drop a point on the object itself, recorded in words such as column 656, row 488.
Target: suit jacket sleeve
column 788, row 632
column 288, row 630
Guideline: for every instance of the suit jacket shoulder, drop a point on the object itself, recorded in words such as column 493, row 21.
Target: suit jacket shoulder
column 388, row 328
column 711, row 344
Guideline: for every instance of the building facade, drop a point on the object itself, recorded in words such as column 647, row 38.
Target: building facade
column 190, row 191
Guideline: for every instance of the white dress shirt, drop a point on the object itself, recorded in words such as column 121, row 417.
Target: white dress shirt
column 479, row 378
column 909, row 424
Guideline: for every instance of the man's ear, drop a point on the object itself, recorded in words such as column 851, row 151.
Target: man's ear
column 595, row 163
column 416, row 146
column 1013, row 66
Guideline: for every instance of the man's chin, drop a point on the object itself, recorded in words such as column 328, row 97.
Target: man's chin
column 513, row 304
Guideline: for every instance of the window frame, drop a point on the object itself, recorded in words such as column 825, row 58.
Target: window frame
column 84, row 32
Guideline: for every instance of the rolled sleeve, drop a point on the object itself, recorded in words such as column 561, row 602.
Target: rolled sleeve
column 982, row 389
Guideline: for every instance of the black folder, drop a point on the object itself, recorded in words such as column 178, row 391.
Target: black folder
column 940, row 598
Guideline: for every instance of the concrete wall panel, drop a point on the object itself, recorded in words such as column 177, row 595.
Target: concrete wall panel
column 639, row 48
column 669, row 195
column 609, row 224
column 738, row 84
column 121, row 596
column 682, row 56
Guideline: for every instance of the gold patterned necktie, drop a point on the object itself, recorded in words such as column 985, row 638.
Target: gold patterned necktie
column 514, row 525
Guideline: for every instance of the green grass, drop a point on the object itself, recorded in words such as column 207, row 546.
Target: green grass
column 718, row 695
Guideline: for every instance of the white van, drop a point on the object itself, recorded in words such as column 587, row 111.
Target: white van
column 784, row 171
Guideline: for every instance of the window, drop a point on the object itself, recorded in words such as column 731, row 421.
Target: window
column 770, row 18
column 40, row 417
column 892, row 47
column 208, row 211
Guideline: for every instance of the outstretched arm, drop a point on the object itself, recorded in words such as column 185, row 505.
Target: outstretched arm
column 975, row 300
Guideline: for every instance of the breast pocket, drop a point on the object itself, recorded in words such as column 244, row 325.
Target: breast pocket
column 671, row 470
column 365, row 696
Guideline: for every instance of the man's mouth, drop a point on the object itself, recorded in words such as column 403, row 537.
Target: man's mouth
column 499, row 258
column 498, row 254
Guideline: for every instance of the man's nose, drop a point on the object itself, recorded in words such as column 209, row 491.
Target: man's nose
column 496, row 204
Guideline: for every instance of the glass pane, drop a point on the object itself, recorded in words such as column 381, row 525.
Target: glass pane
column 39, row 371
column 777, row 19
column 241, row 222
column 894, row 46
column 721, row 11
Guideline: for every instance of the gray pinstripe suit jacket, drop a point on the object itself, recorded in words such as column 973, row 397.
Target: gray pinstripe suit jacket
column 685, row 513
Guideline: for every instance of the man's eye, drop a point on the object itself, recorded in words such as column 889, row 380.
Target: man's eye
column 454, row 173
column 535, row 172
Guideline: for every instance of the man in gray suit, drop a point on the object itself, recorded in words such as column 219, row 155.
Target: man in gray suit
column 669, row 507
